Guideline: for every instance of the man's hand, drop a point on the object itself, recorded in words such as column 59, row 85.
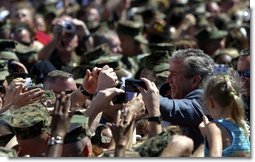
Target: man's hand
column 61, row 116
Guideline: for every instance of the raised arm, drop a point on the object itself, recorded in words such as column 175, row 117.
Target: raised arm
column 186, row 112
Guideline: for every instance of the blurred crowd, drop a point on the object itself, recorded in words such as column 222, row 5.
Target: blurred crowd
column 125, row 78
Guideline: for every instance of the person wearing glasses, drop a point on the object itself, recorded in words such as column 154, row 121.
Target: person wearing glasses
column 243, row 69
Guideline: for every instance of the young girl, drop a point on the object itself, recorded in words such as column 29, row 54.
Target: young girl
column 227, row 134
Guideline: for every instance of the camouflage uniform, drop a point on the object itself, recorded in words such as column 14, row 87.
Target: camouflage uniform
column 152, row 147
column 132, row 29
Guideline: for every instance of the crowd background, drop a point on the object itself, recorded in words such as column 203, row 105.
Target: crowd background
column 79, row 54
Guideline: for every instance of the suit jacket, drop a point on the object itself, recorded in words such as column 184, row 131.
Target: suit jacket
column 186, row 112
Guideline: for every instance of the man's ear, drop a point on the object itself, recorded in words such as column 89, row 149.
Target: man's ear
column 196, row 81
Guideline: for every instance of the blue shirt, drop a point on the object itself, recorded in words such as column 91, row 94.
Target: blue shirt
column 240, row 142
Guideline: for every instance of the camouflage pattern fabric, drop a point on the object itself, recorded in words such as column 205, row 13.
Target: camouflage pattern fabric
column 30, row 120
column 30, row 115
column 153, row 146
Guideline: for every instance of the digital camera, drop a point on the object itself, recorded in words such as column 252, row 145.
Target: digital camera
column 132, row 84
column 68, row 26
column 28, row 82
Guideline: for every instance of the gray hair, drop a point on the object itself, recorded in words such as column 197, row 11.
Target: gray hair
column 58, row 74
column 196, row 62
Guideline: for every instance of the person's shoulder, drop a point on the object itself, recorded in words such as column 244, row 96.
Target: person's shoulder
column 195, row 94
column 213, row 129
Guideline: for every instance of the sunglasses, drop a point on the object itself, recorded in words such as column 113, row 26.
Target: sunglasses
column 245, row 73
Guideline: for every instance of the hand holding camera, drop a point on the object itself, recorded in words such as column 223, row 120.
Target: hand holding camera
column 130, row 90
column 68, row 26
column 150, row 97
column 62, row 26
column 19, row 96
column 132, row 84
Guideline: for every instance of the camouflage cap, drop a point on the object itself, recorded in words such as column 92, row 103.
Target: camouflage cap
column 113, row 61
column 7, row 45
column 158, row 61
column 161, row 68
column 211, row 34
column 133, row 29
column 202, row 22
column 222, row 21
column 128, row 27
column 110, row 60
column 169, row 47
column 26, row 54
column 8, row 55
column 78, row 128
column 140, row 39
column 5, row 152
column 10, row 49
column 30, row 120
column 196, row 7
column 30, row 115
column 161, row 77
column 153, row 146
column 94, row 54
column 122, row 72
column 80, row 71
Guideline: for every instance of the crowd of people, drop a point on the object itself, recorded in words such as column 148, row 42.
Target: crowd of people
column 125, row 78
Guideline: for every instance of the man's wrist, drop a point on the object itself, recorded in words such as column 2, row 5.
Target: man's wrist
column 156, row 119
column 54, row 140
column 85, row 93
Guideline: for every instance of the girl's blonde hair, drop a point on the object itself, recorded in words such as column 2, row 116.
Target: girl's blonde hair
column 226, row 91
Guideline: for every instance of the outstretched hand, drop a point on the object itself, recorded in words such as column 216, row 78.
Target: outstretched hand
column 203, row 125
column 17, row 95
column 150, row 97
column 122, row 130
column 99, row 79
column 61, row 116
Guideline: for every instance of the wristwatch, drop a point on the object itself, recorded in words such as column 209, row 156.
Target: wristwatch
column 55, row 140
column 154, row 119
column 85, row 93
